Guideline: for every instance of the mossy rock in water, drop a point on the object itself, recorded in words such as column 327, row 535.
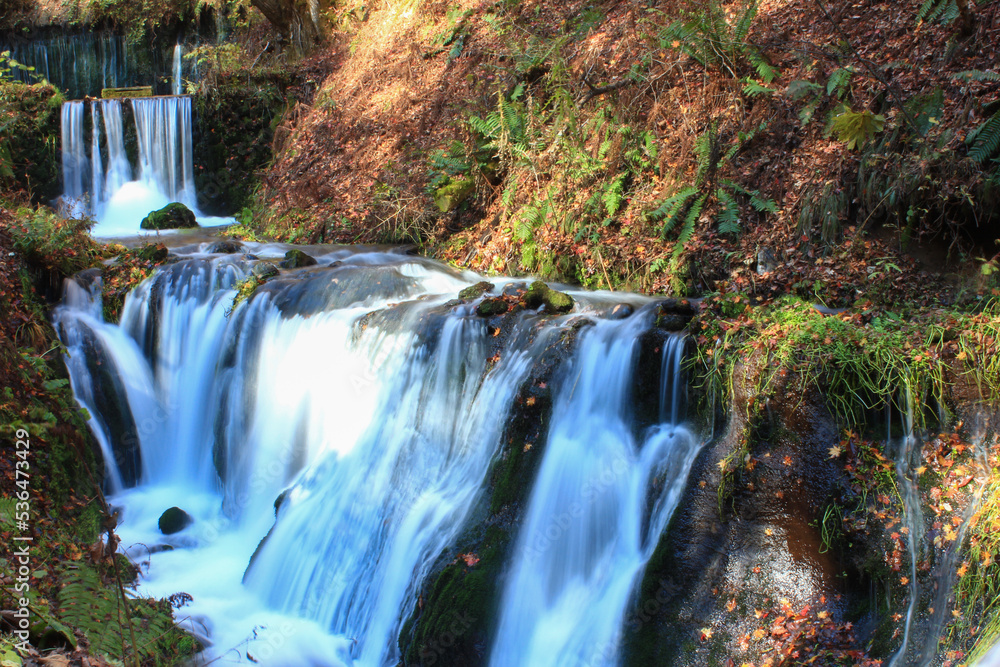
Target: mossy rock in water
column 174, row 520
column 541, row 294
column 153, row 252
column 490, row 307
column 225, row 247
column 449, row 197
column 296, row 259
column 171, row 216
column 264, row 270
column 476, row 291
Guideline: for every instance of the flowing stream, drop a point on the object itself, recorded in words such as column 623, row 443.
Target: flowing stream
column 330, row 436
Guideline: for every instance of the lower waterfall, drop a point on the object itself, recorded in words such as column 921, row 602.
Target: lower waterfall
column 330, row 436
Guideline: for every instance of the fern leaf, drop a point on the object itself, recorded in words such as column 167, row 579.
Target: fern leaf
column 687, row 229
column 976, row 75
column 729, row 216
column 986, row 139
column 670, row 210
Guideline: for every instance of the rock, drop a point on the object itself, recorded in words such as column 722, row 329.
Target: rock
column 674, row 314
column 171, row 216
column 541, row 294
column 621, row 311
column 279, row 501
column 449, row 197
column 476, row 291
column 264, row 270
column 672, row 321
column 515, row 289
column 174, row 520
column 296, row 259
column 225, row 247
column 153, row 252
column 490, row 307
column 766, row 261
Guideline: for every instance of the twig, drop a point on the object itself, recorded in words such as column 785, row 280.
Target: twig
column 595, row 91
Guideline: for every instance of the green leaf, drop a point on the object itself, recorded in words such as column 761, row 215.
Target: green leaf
column 857, row 129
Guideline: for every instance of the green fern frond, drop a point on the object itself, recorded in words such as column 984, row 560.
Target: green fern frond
column 671, row 210
column 729, row 216
column 690, row 222
column 985, row 140
column 977, row 75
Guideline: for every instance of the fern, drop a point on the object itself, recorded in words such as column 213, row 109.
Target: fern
column 837, row 84
column 729, row 216
column 614, row 195
column 985, row 139
column 944, row 11
column 672, row 209
column 687, row 229
column 976, row 75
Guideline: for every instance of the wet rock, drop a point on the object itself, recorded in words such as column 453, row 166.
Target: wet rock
column 279, row 501
column 296, row 259
column 621, row 311
column 174, row 520
column 540, row 294
column 264, row 270
column 490, row 307
column 225, row 247
column 674, row 314
column 476, row 291
column 515, row 289
column 171, row 216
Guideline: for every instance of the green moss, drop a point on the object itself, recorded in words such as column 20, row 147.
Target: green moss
column 136, row 91
column 449, row 197
column 30, row 138
column 476, row 291
column 172, row 216
column 541, row 294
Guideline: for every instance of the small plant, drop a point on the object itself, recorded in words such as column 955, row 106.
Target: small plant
column 984, row 141
column 856, row 129
column 708, row 35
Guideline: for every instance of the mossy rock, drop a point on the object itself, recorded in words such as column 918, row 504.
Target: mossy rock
column 225, row 247
column 174, row 520
column 540, row 294
column 171, row 216
column 264, row 270
column 296, row 259
column 153, row 252
column 449, row 197
column 490, row 307
column 476, row 291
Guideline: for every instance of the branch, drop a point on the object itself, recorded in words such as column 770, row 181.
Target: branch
column 595, row 91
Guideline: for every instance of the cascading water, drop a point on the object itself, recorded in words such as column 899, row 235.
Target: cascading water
column 80, row 65
column 356, row 395
column 165, row 169
column 177, row 84
column 603, row 497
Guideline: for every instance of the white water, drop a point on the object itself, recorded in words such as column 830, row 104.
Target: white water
column 602, row 498
column 79, row 65
column 382, row 436
column 164, row 172
column 177, row 84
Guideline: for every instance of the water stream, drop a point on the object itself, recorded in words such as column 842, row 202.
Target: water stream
column 364, row 402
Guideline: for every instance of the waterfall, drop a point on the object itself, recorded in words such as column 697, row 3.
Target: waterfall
column 75, row 165
column 603, row 496
column 80, row 65
column 165, row 169
column 178, row 82
column 331, row 436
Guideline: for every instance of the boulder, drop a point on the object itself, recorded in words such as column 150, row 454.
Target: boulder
column 264, row 270
column 153, row 253
column 296, row 259
column 171, row 216
column 476, row 291
column 490, row 307
column 225, row 247
column 620, row 312
column 174, row 520
column 540, row 294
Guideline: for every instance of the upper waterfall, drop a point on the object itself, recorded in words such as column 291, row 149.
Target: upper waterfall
column 99, row 182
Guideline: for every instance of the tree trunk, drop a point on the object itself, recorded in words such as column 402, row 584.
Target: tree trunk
column 298, row 21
